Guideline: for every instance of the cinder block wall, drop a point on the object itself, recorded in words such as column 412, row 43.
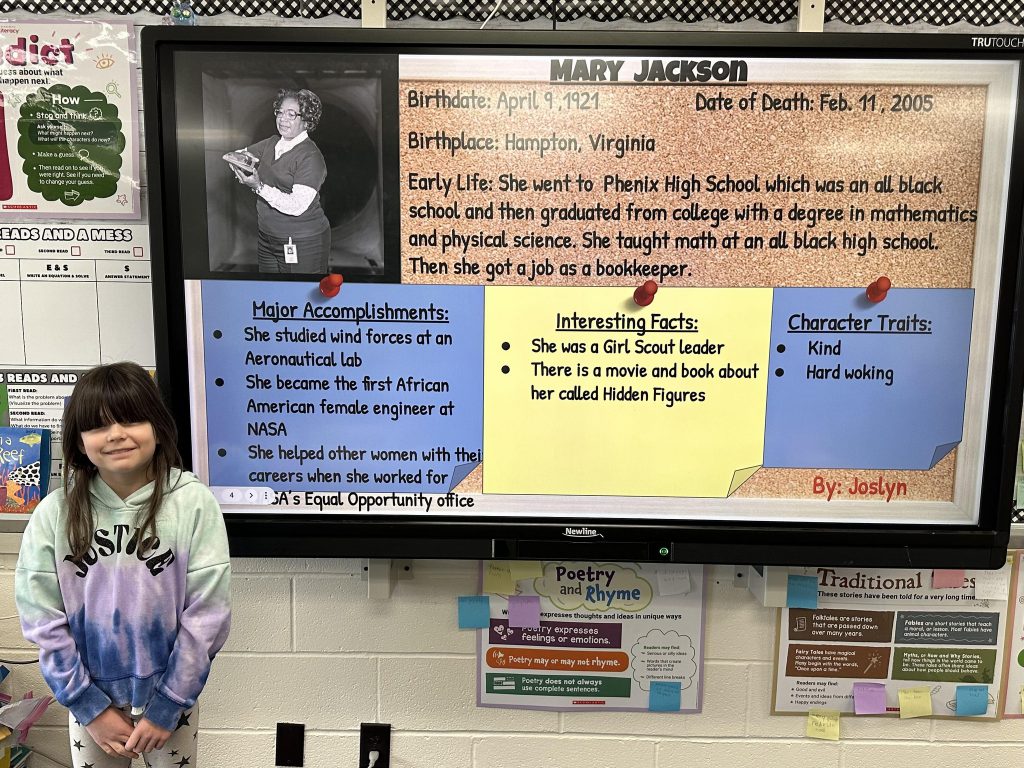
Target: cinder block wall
column 308, row 646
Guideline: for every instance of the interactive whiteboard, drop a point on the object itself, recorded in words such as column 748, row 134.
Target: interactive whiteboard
column 676, row 292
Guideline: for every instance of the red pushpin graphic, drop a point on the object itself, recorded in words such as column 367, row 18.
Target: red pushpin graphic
column 877, row 290
column 644, row 294
column 330, row 285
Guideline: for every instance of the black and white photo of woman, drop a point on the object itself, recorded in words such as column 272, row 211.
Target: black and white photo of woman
column 286, row 172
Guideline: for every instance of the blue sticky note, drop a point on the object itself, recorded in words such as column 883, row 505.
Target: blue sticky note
column 524, row 611
column 665, row 696
column 802, row 592
column 971, row 700
column 474, row 611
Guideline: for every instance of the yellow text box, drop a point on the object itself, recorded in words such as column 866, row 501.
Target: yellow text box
column 588, row 394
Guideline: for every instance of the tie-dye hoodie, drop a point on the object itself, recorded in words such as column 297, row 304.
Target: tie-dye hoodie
column 128, row 625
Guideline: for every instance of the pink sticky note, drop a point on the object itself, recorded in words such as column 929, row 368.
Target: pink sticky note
column 869, row 698
column 524, row 611
column 947, row 578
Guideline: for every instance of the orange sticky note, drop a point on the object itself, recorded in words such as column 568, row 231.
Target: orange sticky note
column 823, row 724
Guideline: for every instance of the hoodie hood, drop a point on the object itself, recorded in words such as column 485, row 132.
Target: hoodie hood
column 103, row 496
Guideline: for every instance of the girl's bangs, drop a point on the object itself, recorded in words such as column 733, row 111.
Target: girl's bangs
column 113, row 401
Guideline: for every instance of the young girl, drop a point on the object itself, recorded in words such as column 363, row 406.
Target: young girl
column 123, row 578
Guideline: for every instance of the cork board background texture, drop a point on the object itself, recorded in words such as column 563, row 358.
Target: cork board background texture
column 821, row 145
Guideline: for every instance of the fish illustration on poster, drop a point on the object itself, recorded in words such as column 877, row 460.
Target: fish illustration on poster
column 24, row 468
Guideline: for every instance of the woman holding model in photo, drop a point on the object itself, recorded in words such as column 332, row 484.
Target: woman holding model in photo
column 286, row 172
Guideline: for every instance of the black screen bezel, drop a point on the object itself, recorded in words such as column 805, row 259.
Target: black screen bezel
column 768, row 543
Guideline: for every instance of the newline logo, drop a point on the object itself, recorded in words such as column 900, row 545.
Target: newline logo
column 582, row 532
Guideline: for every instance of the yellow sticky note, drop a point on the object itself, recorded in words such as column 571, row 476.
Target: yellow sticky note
column 498, row 578
column 526, row 569
column 823, row 724
column 589, row 394
column 915, row 702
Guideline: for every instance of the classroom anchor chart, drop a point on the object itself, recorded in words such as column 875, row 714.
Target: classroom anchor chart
column 892, row 628
column 68, row 117
column 513, row 361
column 1012, row 704
column 604, row 635
column 89, row 277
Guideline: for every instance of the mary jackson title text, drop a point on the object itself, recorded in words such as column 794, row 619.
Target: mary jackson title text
column 648, row 71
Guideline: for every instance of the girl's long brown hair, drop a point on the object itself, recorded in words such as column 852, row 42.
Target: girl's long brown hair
column 123, row 393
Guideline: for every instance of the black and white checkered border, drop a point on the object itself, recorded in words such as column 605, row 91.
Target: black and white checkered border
column 283, row 8
column 939, row 13
column 597, row 10
column 857, row 12
column 768, row 11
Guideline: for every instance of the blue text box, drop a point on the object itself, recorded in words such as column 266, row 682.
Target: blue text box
column 884, row 389
column 395, row 386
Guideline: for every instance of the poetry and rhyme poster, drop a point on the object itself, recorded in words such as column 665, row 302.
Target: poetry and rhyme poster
column 606, row 632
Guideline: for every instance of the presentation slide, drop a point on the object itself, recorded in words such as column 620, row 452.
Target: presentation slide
column 688, row 288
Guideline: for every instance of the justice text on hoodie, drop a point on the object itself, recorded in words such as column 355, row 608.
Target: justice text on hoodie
column 137, row 620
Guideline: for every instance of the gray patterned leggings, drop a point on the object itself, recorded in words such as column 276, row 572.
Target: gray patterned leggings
column 180, row 751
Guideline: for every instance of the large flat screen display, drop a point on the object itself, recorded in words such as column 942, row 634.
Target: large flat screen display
column 737, row 298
